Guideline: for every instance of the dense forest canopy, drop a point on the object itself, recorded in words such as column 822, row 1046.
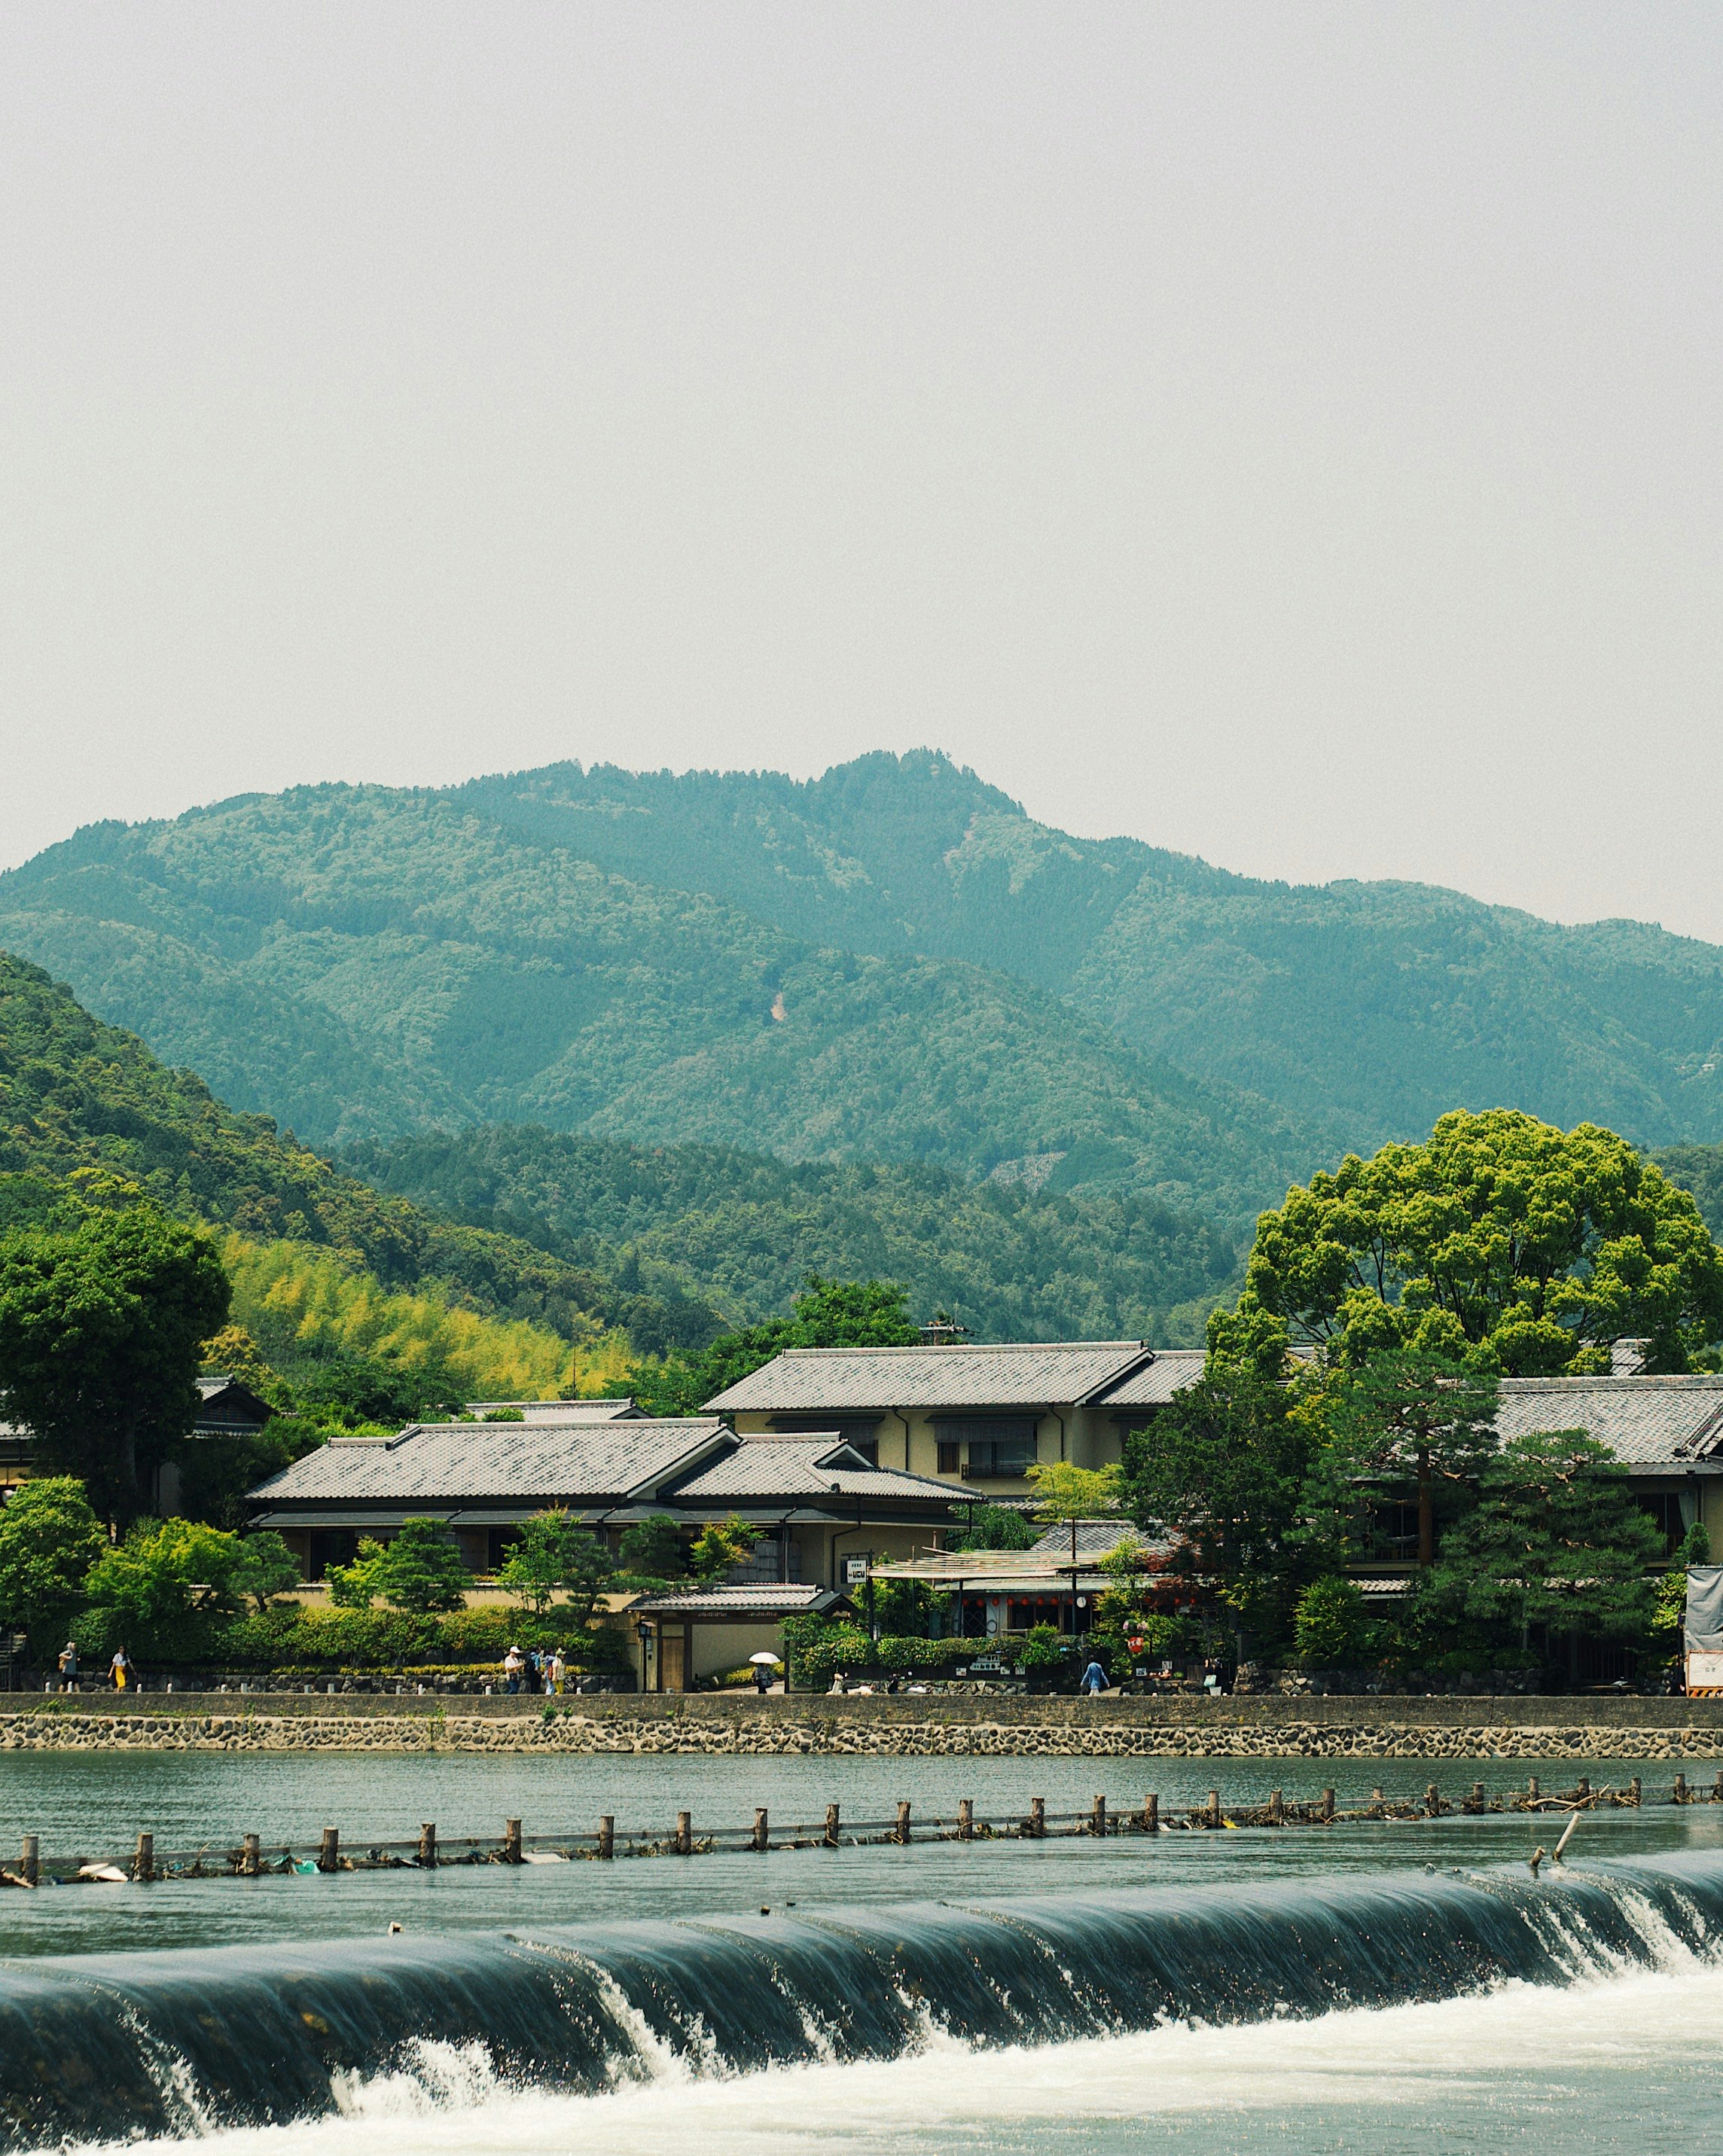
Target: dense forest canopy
column 78, row 1099
column 361, row 962
column 743, row 1231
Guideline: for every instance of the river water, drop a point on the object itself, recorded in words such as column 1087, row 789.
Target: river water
column 1376, row 1987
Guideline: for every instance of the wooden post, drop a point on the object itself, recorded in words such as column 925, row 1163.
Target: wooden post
column 1717, row 1788
column 428, row 1845
column 903, row 1824
column 1211, row 1816
column 1531, row 1788
column 763, row 1833
column 143, row 1864
column 1477, row 1796
column 1152, row 1814
column 966, row 1818
column 511, row 1842
column 684, row 1834
column 328, row 1857
column 1633, row 1790
column 1328, row 1808
column 1376, row 1802
column 1433, row 1802
column 831, row 1841
column 1098, row 1816
column 1037, row 1818
column 1277, row 1808
column 607, row 1836
column 1680, row 1789
column 31, row 1866
column 1585, row 1788
column 251, row 1860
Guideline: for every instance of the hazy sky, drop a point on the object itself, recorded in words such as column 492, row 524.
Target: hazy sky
column 1286, row 433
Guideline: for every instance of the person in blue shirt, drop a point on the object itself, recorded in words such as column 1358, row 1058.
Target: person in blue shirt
column 1095, row 1679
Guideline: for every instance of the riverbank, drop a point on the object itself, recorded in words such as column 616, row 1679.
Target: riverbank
column 1521, row 1728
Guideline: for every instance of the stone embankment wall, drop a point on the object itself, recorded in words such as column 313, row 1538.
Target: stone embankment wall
column 1239, row 1729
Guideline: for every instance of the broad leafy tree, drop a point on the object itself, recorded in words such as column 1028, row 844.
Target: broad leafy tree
column 50, row 1537
column 1498, row 1236
column 1220, row 1471
column 166, row 1569
column 101, row 1328
column 1556, row 1540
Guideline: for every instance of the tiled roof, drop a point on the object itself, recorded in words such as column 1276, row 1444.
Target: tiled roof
column 1644, row 1421
column 766, row 1467
column 1031, row 1373
column 1153, row 1385
column 1170, row 1372
column 613, row 1409
column 787, row 1600
column 1095, row 1538
column 511, row 1460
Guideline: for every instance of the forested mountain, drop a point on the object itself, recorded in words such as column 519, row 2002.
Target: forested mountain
column 744, row 1230
column 889, row 962
column 77, row 1095
column 361, row 962
column 1363, row 1010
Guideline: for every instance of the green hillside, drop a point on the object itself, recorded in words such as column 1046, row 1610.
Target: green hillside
column 76, row 1094
column 744, row 1230
column 361, row 962
column 1363, row 1010
column 889, row 962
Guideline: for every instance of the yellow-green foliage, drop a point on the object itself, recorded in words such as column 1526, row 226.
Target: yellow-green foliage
column 330, row 1302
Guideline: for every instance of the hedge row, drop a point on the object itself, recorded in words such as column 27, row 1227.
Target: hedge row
column 291, row 1638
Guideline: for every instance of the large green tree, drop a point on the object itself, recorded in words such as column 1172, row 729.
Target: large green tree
column 1498, row 1237
column 1556, row 1540
column 50, row 1539
column 100, row 1330
column 1220, row 1471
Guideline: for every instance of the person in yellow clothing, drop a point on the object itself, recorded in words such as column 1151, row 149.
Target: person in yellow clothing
column 119, row 1669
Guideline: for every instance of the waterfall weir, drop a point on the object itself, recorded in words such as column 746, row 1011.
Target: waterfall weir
column 117, row 2046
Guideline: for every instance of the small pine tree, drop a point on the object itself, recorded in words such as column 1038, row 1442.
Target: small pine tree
column 1556, row 1540
column 421, row 1570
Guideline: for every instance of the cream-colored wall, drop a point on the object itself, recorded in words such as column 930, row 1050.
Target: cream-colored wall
column 1710, row 1508
column 1088, row 1440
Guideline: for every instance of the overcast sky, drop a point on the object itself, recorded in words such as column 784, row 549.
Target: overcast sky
column 1288, row 434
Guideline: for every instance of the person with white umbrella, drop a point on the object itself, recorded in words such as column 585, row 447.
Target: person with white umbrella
column 764, row 1663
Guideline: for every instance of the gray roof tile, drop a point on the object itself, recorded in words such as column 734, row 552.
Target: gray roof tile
column 462, row 1460
column 1030, row 1373
column 1645, row 1421
column 797, row 1467
column 762, row 1600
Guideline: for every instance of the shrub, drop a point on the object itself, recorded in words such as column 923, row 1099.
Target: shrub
column 1329, row 1625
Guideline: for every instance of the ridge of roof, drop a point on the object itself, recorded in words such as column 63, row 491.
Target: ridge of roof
column 1626, row 1382
column 946, row 1349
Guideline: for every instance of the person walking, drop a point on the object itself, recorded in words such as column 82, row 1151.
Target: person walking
column 69, row 1666
column 119, row 1669
column 558, row 1676
column 512, row 1663
column 1095, row 1680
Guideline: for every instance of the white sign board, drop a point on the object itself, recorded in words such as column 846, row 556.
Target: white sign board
column 855, row 1571
column 1704, row 1671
